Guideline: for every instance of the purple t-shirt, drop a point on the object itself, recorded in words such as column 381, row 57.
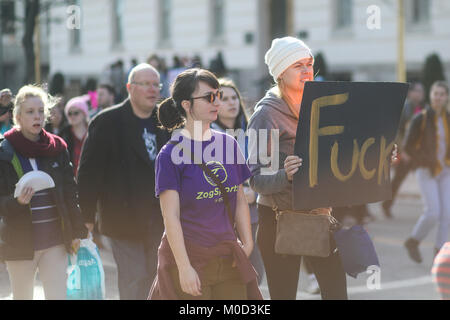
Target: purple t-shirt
column 203, row 214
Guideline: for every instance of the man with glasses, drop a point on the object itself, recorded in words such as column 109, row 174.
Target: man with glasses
column 116, row 177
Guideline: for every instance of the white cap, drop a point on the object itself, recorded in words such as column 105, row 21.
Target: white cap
column 283, row 53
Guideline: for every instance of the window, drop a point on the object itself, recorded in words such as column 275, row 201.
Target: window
column 419, row 12
column 75, row 32
column 217, row 16
column 117, row 22
column 8, row 16
column 344, row 17
column 164, row 22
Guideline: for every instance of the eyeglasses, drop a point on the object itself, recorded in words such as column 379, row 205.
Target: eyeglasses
column 146, row 84
column 73, row 113
column 211, row 97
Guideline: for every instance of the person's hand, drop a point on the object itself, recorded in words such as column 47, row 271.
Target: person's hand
column 75, row 245
column 394, row 154
column 189, row 281
column 250, row 195
column 248, row 248
column 291, row 166
column 89, row 226
column 25, row 196
column 326, row 211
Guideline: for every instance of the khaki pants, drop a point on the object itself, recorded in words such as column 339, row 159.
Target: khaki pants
column 52, row 265
column 220, row 281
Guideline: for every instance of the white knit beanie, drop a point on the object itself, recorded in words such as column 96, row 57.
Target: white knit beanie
column 283, row 53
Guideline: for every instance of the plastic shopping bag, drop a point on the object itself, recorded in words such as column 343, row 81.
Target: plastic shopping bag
column 86, row 277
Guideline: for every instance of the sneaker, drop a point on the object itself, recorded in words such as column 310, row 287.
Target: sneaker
column 412, row 245
column 387, row 209
column 313, row 285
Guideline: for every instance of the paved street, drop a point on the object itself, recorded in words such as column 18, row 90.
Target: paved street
column 400, row 278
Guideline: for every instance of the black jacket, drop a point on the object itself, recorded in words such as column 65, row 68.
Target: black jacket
column 16, row 238
column 116, row 176
column 66, row 134
column 421, row 141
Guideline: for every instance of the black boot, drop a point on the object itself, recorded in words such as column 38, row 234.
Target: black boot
column 412, row 245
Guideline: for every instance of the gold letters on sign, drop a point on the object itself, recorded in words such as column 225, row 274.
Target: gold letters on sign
column 358, row 156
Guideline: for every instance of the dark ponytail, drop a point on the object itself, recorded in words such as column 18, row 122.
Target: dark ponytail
column 170, row 115
column 170, row 112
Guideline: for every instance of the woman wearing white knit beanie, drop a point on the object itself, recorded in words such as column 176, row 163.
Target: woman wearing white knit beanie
column 290, row 62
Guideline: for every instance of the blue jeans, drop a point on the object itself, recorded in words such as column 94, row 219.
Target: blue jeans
column 136, row 263
column 435, row 194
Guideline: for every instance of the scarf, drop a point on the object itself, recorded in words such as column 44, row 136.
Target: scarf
column 48, row 145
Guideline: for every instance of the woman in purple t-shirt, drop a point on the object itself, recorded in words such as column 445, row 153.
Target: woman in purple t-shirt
column 200, row 256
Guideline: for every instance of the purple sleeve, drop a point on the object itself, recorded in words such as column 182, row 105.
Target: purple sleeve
column 242, row 167
column 167, row 173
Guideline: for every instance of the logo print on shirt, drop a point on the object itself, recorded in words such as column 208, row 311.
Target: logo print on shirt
column 218, row 170
column 150, row 144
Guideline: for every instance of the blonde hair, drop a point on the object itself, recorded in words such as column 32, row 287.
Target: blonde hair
column 30, row 91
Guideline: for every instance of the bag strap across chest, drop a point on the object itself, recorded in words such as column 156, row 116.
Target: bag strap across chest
column 216, row 180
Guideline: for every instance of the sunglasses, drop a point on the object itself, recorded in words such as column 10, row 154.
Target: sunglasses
column 211, row 97
column 73, row 113
column 6, row 109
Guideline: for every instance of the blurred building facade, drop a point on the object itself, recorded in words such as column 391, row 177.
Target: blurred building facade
column 12, row 57
column 242, row 31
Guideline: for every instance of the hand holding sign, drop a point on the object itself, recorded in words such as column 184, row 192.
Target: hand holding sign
column 291, row 166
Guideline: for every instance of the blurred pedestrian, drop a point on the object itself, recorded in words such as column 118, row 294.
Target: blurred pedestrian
column 427, row 144
column 200, row 256
column 290, row 62
column 175, row 70
column 77, row 113
column 441, row 271
column 159, row 64
column 57, row 84
column 38, row 228
column 118, row 79
column 133, row 63
column 117, row 176
column 90, row 91
column 6, row 106
column 57, row 120
column 105, row 98
column 217, row 65
column 232, row 116
column 413, row 106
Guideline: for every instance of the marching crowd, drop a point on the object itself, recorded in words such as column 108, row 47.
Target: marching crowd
column 199, row 228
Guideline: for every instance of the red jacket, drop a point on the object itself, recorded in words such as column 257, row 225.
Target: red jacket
column 163, row 289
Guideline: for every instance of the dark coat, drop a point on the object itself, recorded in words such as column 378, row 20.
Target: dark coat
column 421, row 141
column 116, row 176
column 15, row 226
column 66, row 134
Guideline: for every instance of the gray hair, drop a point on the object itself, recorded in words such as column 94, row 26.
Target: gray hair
column 139, row 67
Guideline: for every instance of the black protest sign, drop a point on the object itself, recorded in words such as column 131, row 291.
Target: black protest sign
column 345, row 137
